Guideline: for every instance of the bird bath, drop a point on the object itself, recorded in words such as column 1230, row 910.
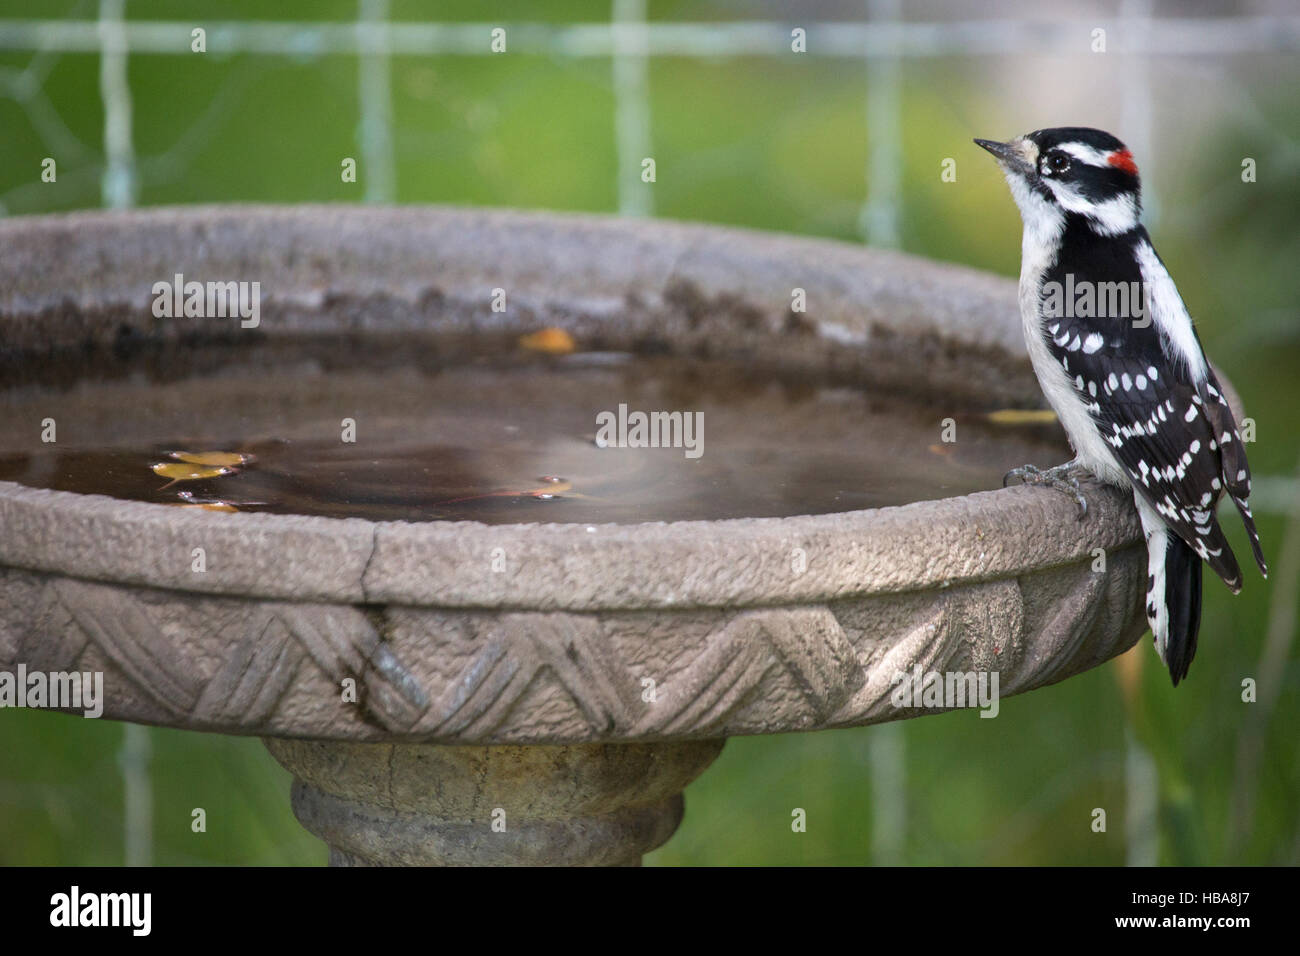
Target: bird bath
column 472, row 633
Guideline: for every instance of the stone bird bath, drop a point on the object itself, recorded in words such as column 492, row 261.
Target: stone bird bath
column 501, row 712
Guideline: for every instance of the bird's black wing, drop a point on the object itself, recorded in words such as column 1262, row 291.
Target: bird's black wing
column 1163, row 427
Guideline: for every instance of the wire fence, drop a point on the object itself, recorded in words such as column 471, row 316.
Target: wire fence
column 881, row 41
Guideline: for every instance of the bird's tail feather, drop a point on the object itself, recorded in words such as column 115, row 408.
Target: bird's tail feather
column 1173, row 591
column 1173, row 600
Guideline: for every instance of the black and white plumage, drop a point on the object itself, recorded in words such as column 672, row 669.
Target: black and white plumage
column 1119, row 360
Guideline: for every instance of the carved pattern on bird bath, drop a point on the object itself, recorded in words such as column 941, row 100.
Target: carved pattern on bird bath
column 456, row 676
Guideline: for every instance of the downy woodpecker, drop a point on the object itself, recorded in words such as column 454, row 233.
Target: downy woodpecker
column 1119, row 360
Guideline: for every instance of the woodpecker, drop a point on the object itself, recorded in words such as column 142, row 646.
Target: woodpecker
column 1119, row 360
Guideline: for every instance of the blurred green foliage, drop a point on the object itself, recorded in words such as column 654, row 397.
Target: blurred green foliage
column 774, row 143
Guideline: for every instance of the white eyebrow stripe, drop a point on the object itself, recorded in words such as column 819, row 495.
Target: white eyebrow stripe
column 1086, row 154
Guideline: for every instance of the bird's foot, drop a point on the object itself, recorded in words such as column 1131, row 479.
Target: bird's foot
column 1064, row 478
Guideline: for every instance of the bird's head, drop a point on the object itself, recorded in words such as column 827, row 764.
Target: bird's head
column 1072, row 169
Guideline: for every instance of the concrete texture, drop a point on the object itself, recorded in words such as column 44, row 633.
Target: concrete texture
column 588, row 804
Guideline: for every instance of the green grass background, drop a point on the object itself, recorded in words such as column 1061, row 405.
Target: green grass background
column 776, row 143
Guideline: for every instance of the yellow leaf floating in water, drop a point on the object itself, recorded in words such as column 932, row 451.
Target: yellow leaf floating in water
column 181, row 471
column 551, row 341
column 1022, row 416
column 221, row 459
column 198, row 465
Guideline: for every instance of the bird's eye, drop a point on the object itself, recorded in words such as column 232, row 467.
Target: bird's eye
column 1056, row 163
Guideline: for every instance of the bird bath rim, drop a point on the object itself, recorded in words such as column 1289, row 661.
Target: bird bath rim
column 361, row 561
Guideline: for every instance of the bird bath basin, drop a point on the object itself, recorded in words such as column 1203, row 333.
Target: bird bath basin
column 474, row 627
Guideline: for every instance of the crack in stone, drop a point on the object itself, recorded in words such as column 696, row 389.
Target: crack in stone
column 365, row 571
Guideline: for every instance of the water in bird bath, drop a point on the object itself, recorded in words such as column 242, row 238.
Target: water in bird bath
column 499, row 435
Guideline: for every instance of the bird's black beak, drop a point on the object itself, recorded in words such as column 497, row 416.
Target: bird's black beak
column 1009, row 155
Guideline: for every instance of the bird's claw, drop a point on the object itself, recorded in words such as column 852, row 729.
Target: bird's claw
column 1064, row 478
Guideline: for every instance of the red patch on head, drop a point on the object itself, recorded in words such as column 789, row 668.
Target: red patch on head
column 1123, row 159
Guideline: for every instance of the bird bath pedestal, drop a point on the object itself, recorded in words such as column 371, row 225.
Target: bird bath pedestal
column 463, row 693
